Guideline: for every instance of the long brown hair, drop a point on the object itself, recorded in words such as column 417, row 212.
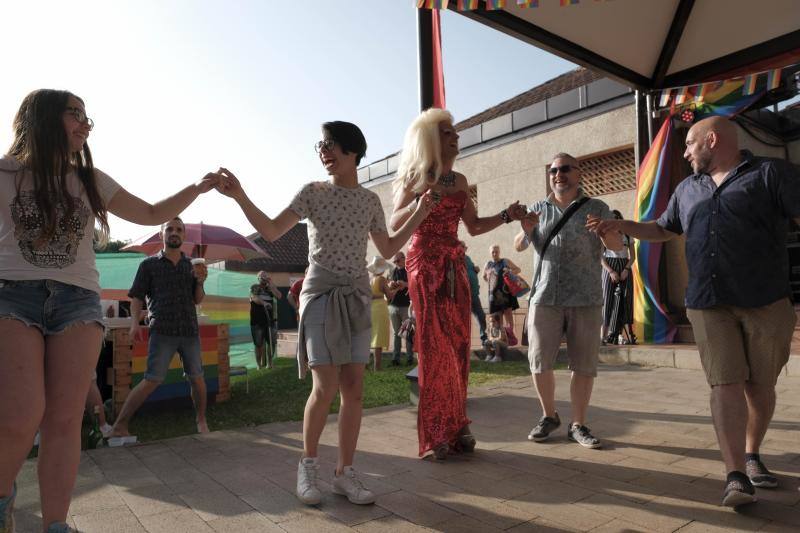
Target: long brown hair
column 41, row 147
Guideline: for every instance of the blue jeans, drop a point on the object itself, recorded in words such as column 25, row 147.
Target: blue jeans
column 160, row 350
column 50, row 306
column 477, row 310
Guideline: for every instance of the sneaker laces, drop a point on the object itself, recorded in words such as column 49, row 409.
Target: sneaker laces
column 351, row 475
column 312, row 472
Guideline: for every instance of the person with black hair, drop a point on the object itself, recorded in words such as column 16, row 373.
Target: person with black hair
column 334, row 333
column 50, row 292
column 618, row 292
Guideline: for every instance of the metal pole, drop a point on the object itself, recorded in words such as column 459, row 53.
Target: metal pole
column 650, row 111
column 425, row 57
column 642, row 134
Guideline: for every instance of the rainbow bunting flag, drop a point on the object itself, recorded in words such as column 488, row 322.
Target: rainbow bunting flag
column 680, row 96
column 432, row 4
column 664, row 100
column 569, row 2
column 467, row 5
column 528, row 3
column 750, row 84
column 774, row 79
column 726, row 99
column 492, row 5
column 651, row 321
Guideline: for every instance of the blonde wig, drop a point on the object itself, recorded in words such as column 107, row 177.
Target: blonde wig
column 421, row 160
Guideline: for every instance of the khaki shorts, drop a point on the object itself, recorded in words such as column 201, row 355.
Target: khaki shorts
column 741, row 344
column 547, row 325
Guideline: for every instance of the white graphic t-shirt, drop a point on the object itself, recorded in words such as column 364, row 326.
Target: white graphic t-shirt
column 339, row 222
column 68, row 256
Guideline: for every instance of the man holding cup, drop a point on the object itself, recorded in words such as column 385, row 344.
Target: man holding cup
column 172, row 286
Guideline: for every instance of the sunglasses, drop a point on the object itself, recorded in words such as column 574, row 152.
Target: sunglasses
column 327, row 145
column 563, row 169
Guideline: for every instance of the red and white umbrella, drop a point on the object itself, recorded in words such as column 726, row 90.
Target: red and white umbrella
column 214, row 243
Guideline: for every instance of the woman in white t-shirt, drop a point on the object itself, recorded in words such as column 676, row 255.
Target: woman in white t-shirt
column 334, row 333
column 52, row 197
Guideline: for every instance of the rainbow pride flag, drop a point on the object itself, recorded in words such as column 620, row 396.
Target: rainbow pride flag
column 432, row 4
column 727, row 99
column 528, row 3
column 467, row 5
column 651, row 321
column 569, row 2
column 492, row 5
column 773, row 79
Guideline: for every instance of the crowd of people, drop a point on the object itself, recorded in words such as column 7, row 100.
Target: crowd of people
column 49, row 293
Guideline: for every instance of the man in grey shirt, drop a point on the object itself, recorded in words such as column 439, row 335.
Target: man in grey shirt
column 567, row 297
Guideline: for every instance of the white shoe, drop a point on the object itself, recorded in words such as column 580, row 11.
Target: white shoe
column 495, row 359
column 106, row 430
column 349, row 485
column 307, row 473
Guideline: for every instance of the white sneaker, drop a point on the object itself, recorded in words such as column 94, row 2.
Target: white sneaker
column 349, row 485
column 307, row 473
column 106, row 430
column 494, row 359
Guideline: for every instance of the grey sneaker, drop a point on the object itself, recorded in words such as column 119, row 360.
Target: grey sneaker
column 7, row 511
column 542, row 430
column 738, row 492
column 759, row 475
column 307, row 473
column 349, row 485
column 60, row 527
column 582, row 435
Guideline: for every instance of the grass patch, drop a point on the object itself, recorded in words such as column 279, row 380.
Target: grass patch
column 278, row 396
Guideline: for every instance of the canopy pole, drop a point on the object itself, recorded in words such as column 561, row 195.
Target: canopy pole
column 643, row 127
column 425, row 57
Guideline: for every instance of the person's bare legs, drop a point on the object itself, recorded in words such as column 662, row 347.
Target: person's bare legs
column 351, row 385
column 508, row 316
column 377, row 362
column 580, row 392
column 545, row 383
column 324, row 389
column 21, row 396
column 760, row 407
column 70, row 358
column 95, row 399
column 261, row 356
column 132, row 404
column 200, row 399
column 729, row 413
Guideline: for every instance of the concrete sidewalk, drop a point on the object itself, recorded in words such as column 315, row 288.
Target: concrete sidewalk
column 660, row 470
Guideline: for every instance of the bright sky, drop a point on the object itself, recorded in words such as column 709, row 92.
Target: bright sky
column 177, row 88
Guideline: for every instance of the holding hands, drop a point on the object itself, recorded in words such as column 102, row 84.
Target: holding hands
column 601, row 227
column 229, row 185
column 529, row 222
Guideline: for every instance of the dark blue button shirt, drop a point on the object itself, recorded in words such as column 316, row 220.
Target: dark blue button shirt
column 169, row 291
column 736, row 233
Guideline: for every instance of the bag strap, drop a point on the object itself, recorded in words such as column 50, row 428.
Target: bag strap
column 553, row 232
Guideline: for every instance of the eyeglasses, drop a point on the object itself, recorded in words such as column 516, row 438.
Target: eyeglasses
column 563, row 169
column 80, row 116
column 327, row 145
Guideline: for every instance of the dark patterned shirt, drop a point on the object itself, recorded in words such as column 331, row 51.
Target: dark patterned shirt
column 736, row 233
column 169, row 292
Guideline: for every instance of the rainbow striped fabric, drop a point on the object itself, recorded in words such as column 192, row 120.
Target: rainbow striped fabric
column 492, row 5
column 433, row 4
column 467, row 5
column 651, row 321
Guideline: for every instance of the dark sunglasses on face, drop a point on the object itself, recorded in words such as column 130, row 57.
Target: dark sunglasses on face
column 327, row 144
column 80, row 116
column 563, row 169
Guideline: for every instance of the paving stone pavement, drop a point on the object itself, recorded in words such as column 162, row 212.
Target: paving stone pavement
column 660, row 470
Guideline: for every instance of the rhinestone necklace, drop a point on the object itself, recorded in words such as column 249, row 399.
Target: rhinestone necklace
column 448, row 180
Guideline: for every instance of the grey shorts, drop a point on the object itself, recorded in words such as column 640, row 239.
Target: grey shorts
column 314, row 330
column 547, row 325
column 161, row 349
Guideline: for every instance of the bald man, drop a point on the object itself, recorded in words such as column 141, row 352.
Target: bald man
column 735, row 211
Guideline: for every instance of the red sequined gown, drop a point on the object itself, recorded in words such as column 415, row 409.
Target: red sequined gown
column 440, row 296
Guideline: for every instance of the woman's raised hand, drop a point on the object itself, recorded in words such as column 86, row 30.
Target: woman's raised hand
column 426, row 203
column 229, row 184
column 209, row 181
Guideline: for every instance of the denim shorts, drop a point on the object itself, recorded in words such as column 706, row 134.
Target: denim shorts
column 50, row 306
column 314, row 331
column 260, row 333
column 160, row 350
